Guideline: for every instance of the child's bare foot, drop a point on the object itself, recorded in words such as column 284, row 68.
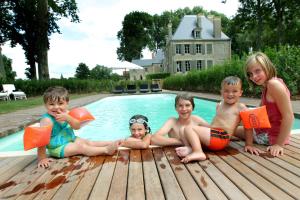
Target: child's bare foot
column 183, row 151
column 194, row 156
column 112, row 148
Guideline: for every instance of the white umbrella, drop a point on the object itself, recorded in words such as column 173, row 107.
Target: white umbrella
column 120, row 66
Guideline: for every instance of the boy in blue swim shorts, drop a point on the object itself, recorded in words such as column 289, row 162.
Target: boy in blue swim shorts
column 63, row 142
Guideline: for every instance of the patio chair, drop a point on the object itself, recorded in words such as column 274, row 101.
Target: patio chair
column 131, row 88
column 4, row 96
column 144, row 88
column 11, row 90
column 118, row 89
column 155, row 88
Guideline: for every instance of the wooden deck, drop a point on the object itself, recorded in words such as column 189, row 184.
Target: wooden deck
column 156, row 174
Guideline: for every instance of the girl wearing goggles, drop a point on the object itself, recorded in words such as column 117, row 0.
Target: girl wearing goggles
column 140, row 133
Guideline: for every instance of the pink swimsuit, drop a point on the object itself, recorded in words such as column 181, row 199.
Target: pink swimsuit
column 274, row 117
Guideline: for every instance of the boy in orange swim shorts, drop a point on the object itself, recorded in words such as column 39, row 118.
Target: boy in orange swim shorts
column 217, row 135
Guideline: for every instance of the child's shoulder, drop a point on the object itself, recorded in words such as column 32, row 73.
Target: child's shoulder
column 276, row 84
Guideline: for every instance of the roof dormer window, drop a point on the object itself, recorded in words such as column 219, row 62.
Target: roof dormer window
column 197, row 33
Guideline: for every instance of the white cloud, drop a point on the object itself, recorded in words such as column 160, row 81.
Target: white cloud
column 94, row 40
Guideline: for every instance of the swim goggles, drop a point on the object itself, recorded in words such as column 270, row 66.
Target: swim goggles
column 138, row 121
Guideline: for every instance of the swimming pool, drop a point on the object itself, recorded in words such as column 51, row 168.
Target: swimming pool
column 112, row 115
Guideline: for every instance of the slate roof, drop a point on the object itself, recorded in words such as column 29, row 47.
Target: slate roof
column 188, row 24
column 158, row 58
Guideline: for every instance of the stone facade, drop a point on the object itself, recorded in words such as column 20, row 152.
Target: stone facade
column 198, row 43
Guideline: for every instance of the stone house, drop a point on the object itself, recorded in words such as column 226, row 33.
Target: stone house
column 198, row 43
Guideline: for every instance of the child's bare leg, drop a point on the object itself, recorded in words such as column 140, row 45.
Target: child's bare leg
column 186, row 149
column 78, row 148
column 195, row 135
column 94, row 143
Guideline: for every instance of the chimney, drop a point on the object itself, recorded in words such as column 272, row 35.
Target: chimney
column 210, row 18
column 199, row 20
column 170, row 30
column 217, row 27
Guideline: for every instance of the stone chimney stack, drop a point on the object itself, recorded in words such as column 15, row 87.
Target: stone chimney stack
column 217, row 27
column 170, row 30
column 210, row 18
column 199, row 25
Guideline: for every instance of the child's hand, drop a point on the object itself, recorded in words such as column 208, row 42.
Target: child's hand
column 61, row 116
column 275, row 150
column 253, row 150
column 45, row 163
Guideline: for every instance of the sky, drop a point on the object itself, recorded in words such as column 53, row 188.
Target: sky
column 94, row 40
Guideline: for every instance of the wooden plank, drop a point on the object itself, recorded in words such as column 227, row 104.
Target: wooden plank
column 289, row 188
column 13, row 167
column 153, row 187
column 5, row 161
column 47, row 181
column 297, row 136
column 135, row 177
column 228, row 188
column 294, row 144
column 119, row 181
column 291, row 148
column 263, row 184
column 71, row 182
column 206, row 184
column 286, row 162
column 296, row 140
column 185, row 180
column 21, row 180
column 273, row 164
column 170, row 185
column 103, row 182
column 244, row 185
column 86, row 184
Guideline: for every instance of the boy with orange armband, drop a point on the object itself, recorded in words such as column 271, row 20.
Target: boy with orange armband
column 217, row 135
column 63, row 142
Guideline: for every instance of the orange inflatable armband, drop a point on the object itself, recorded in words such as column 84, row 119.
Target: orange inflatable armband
column 82, row 114
column 36, row 136
column 255, row 118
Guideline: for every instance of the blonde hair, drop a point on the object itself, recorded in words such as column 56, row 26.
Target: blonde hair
column 57, row 93
column 265, row 63
column 231, row 80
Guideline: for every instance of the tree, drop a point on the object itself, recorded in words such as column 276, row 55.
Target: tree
column 134, row 36
column 2, row 69
column 9, row 73
column 82, row 71
column 29, row 23
column 100, row 72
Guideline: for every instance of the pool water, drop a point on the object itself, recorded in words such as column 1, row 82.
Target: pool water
column 112, row 115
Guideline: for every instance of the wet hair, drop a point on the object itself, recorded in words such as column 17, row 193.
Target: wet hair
column 143, row 120
column 185, row 96
column 265, row 63
column 54, row 94
column 231, row 80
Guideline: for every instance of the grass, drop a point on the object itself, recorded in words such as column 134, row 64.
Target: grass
column 12, row 105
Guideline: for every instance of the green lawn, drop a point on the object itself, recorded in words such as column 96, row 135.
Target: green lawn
column 12, row 105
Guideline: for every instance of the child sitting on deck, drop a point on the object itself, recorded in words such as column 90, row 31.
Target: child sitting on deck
column 140, row 133
column 63, row 142
column 184, row 105
column 217, row 135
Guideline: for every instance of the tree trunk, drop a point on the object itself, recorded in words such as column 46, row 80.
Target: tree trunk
column 2, row 69
column 42, row 40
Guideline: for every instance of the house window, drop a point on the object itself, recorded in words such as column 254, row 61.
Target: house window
column 187, row 66
column 178, row 48
column 186, row 48
column 178, row 66
column 200, row 64
column 198, row 48
column 209, row 48
column 197, row 34
column 209, row 63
